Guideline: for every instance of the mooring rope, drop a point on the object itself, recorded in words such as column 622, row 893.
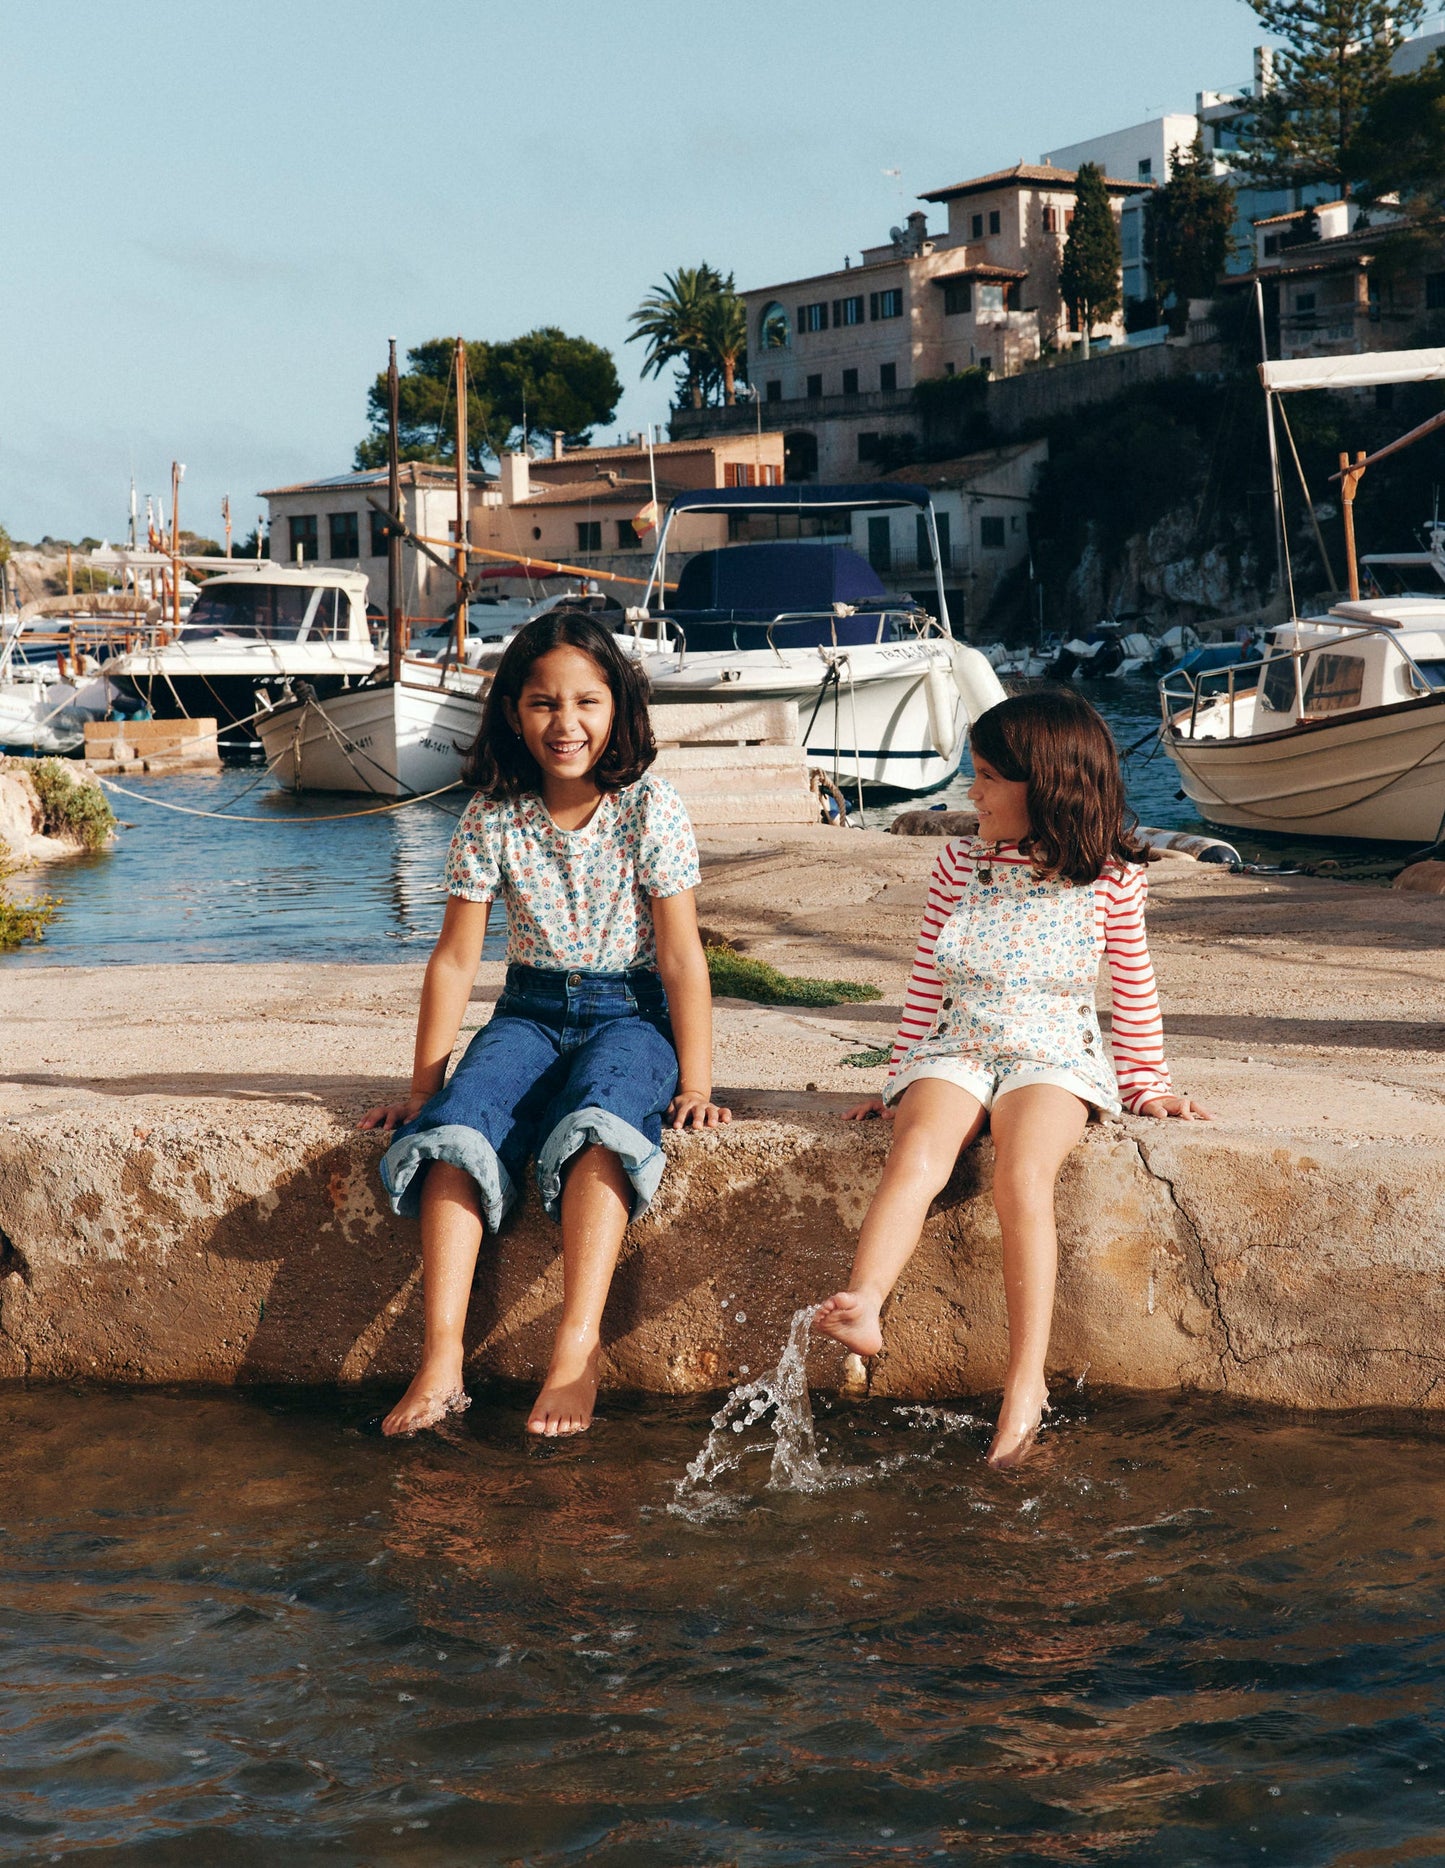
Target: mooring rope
column 235, row 817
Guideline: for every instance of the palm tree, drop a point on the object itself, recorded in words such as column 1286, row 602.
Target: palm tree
column 671, row 319
column 724, row 328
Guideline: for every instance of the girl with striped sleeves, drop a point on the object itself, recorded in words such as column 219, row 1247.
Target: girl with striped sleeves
column 999, row 1026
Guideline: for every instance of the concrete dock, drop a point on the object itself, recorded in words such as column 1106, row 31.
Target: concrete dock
column 183, row 1196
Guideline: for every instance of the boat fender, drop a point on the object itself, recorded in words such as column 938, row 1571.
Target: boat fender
column 974, row 677
column 943, row 697
column 1182, row 843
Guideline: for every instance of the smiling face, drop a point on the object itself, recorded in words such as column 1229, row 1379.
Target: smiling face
column 564, row 714
column 1001, row 803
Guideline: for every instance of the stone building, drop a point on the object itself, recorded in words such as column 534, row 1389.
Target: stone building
column 333, row 522
column 835, row 356
column 573, row 506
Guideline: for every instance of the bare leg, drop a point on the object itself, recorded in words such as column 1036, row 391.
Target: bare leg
column 596, row 1205
column 451, row 1233
column 936, row 1120
column 1034, row 1127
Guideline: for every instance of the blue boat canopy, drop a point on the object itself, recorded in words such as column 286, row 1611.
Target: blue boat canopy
column 767, row 580
column 802, row 499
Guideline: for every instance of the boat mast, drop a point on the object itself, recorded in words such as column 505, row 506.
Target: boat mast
column 462, row 502
column 1279, row 546
column 178, row 473
column 393, row 537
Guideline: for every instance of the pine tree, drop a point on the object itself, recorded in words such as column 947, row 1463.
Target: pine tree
column 1089, row 273
column 1335, row 60
column 1399, row 147
column 1187, row 224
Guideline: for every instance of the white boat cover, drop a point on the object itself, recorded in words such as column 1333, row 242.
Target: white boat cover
column 1359, row 372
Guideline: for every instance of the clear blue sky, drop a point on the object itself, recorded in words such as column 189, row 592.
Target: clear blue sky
column 216, row 214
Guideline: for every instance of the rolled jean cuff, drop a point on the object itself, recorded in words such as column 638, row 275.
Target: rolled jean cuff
column 462, row 1147
column 642, row 1160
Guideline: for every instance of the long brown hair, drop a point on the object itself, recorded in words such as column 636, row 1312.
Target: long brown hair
column 499, row 764
column 1054, row 742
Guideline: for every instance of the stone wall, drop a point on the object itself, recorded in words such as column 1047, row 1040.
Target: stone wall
column 253, row 1247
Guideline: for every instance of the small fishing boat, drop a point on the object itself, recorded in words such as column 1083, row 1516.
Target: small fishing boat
column 395, row 738
column 884, row 691
column 1338, row 730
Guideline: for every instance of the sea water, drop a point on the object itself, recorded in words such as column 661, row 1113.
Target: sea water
column 235, row 1631
column 328, row 877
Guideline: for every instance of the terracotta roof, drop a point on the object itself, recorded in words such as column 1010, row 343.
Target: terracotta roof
column 579, row 457
column 1030, row 175
column 413, row 473
column 960, row 471
column 599, row 492
column 1295, row 214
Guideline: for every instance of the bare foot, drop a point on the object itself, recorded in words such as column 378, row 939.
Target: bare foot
column 1019, row 1421
column 436, row 1392
column 568, row 1395
column 851, row 1318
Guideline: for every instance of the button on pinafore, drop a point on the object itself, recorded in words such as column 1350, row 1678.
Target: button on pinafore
column 1018, row 961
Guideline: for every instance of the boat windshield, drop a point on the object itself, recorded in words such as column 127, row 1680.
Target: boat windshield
column 1277, row 689
column 1421, row 578
column 268, row 613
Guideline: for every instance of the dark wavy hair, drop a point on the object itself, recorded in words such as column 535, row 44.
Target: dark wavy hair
column 499, row 764
column 1054, row 742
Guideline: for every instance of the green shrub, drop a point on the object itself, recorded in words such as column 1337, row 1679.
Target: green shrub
column 72, row 809
column 21, row 921
column 735, row 976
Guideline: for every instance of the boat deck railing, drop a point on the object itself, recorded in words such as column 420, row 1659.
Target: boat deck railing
column 1210, row 688
column 669, row 630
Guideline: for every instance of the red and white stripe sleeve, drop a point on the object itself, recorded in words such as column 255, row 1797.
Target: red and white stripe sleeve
column 925, row 989
column 1137, row 1037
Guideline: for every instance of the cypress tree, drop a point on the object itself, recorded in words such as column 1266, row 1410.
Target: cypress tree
column 1187, row 223
column 1089, row 273
column 1335, row 61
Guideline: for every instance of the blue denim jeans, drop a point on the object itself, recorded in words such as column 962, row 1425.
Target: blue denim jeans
column 567, row 1059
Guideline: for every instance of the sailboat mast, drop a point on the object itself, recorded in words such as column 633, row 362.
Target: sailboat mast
column 462, row 500
column 177, row 475
column 393, row 537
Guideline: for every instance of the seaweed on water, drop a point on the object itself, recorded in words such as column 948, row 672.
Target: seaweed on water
column 736, row 976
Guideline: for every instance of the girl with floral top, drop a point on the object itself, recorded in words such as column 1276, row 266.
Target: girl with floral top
column 999, row 1025
column 604, row 1024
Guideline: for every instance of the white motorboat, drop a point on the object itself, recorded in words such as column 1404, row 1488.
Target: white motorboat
column 396, row 739
column 42, row 709
column 255, row 624
column 884, row 691
column 1339, row 729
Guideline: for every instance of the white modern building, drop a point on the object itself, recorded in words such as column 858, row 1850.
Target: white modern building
column 1145, row 151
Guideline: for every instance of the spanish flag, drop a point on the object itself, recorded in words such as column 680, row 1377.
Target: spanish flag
column 646, row 520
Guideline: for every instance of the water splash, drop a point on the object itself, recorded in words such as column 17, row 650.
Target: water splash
column 782, row 1393
column 779, row 1401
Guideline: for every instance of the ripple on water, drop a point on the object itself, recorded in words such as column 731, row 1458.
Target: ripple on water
column 1187, row 1633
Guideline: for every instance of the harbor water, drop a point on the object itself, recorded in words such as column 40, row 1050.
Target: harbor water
column 302, row 883
column 236, row 1631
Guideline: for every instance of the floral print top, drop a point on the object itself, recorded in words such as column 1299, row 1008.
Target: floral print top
column 577, row 898
column 962, row 926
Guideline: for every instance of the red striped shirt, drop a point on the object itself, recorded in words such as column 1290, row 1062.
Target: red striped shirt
column 1137, row 1034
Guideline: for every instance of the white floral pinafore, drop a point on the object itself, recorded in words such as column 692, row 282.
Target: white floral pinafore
column 1018, row 960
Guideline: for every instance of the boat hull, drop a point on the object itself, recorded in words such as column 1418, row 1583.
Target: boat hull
column 391, row 740
column 872, row 723
column 227, row 698
column 1377, row 775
